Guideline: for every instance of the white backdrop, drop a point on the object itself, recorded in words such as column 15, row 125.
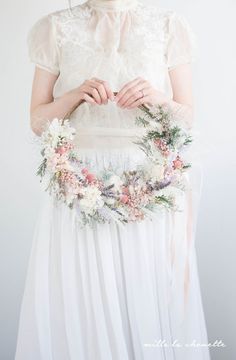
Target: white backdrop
column 215, row 86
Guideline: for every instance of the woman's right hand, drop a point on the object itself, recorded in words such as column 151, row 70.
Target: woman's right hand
column 44, row 107
column 94, row 91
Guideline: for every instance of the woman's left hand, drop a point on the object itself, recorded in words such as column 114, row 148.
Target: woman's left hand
column 137, row 92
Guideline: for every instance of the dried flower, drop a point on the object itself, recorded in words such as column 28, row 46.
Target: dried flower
column 107, row 196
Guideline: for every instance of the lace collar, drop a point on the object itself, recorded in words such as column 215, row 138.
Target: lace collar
column 112, row 5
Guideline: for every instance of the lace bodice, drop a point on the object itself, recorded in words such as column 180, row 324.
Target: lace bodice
column 115, row 40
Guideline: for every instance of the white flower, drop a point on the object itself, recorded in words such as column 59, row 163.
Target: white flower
column 49, row 152
column 52, row 163
column 55, row 130
column 116, row 181
column 91, row 200
column 110, row 201
column 156, row 126
column 171, row 191
column 131, row 189
column 70, row 197
column 64, row 164
column 156, row 172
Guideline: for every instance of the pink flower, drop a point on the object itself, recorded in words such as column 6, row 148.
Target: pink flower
column 124, row 198
column 52, row 162
column 157, row 142
column 84, row 171
column 177, row 163
column 125, row 190
column 61, row 150
column 90, row 178
column 166, row 153
column 161, row 145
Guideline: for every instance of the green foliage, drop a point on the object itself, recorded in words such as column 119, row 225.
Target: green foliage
column 141, row 121
column 188, row 140
column 42, row 168
column 164, row 200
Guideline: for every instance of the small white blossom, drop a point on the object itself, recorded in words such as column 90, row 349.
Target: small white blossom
column 110, row 201
column 155, row 126
column 116, row 181
column 155, row 172
column 91, row 200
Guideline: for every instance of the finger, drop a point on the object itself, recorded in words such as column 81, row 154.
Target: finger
column 102, row 93
column 101, row 90
column 88, row 99
column 126, row 87
column 141, row 101
column 94, row 93
column 109, row 91
column 132, row 91
column 138, row 93
column 92, row 87
column 129, row 98
column 107, row 88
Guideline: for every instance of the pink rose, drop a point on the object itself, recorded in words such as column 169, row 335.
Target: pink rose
column 90, row 178
column 124, row 199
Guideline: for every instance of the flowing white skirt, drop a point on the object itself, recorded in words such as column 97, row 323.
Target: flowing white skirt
column 112, row 292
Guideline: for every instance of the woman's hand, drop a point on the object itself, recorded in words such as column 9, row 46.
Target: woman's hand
column 44, row 107
column 94, row 91
column 138, row 92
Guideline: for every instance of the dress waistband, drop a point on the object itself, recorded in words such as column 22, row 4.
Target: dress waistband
column 104, row 137
column 109, row 131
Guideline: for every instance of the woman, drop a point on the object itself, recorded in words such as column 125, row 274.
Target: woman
column 111, row 292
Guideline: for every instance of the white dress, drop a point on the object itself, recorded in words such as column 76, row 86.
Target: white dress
column 111, row 292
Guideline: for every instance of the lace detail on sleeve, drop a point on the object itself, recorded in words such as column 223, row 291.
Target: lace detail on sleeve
column 42, row 47
column 181, row 43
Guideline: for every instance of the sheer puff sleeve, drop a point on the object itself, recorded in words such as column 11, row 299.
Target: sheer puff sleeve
column 181, row 42
column 42, row 47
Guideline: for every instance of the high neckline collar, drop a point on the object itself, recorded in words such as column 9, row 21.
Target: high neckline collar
column 119, row 5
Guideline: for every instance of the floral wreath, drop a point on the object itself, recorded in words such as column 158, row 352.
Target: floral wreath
column 127, row 197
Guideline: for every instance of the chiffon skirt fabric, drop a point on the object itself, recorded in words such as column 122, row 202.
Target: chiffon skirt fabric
column 111, row 292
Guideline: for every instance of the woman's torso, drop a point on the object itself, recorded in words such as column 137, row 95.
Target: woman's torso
column 116, row 46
